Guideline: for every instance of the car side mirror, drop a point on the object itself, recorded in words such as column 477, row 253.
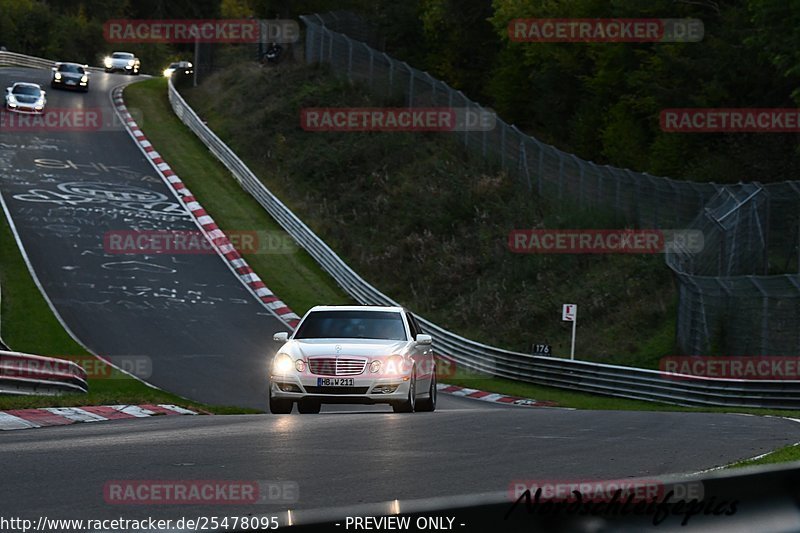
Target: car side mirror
column 281, row 337
column 424, row 339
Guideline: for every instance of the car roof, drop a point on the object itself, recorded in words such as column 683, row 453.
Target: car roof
column 119, row 52
column 70, row 63
column 393, row 309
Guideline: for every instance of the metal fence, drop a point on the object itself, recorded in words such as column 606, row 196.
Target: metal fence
column 730, row 300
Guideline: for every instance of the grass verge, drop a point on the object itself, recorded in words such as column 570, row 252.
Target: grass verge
column 295, row 277
column 583, row 400
column 781, row 455
column 429, row 226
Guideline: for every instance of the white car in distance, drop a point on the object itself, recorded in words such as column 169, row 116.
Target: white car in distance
column 354, row 354
column 122, row 61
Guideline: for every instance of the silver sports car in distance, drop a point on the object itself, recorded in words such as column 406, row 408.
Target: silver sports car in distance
column 354, row 354
column 25, row 97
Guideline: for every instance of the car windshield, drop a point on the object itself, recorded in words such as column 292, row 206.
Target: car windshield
column 76, row 69
column 26, row 90
column 122, row 55
column 385, row 325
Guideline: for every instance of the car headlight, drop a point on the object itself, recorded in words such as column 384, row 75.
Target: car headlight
column 12, row 99
column 108, row 62
column 300, row 365
column 189, row 65
column 395, row 366
column 57, row 75
column 84, row 78
column 375, row 366
column 130, row 62
column 168, row 72
column 282, row 364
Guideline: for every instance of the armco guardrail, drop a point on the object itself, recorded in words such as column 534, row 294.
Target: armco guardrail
column 761, row 498
column 11, row 59
column 34, row 374
column 597, row 378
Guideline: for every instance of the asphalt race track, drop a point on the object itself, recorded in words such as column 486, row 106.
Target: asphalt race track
column 207, row 336
column 209, row 340
column 342, row 459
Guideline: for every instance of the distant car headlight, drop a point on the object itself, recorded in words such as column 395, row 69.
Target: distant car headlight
column 57, row 75
column 168, row 72
column 131, row 62
column 108, row 62
column 375, row 366
column 282, row 364
column 395, row 366
column 189, row 65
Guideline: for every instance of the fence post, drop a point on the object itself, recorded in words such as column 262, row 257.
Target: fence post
column 523, row 157
column 371, row 66
column 410, row 84
column 391, row 74
column 349, row 59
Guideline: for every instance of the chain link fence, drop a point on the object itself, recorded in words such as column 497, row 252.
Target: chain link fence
column 739, row 296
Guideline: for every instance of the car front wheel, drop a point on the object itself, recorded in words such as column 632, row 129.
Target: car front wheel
column 428, row 405
column 279, row 406
column 409, row 404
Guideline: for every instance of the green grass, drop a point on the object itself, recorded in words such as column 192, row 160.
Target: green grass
column 29, row 326
column 583, row 400
column 295, row 277
column 781, row 455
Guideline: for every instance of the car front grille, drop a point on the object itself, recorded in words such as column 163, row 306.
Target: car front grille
column 337, row 366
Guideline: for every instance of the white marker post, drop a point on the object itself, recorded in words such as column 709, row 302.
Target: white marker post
column 569, row 313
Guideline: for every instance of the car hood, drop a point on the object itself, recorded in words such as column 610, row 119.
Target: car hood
column 349, row 347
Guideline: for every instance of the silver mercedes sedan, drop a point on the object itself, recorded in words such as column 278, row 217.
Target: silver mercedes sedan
column 354, row 354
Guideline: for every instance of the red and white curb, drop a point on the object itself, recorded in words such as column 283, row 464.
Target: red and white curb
column 484, row 396
column 62, row 416
column 210, row 228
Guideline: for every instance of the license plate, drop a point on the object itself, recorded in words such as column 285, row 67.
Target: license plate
column 70, row 82
column 335, row 382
